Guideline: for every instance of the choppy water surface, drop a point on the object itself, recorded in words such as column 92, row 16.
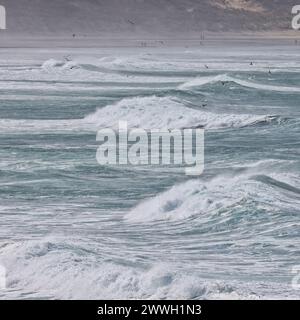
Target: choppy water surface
column 71, row 228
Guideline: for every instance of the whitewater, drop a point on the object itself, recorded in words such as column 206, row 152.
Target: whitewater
column 72, row 229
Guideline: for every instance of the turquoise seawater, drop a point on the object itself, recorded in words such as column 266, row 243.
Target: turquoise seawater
column 71, row 228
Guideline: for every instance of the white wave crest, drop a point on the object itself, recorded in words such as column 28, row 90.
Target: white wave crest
column 156, row 112
column 56, row 65
column 219, row 195
column 201, row 81
column 52, row 63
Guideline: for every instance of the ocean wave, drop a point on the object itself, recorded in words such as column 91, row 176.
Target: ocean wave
column 222, row 194
column 166, row 112
column 223, row 78
column 52, row 65
column 139, row 63
column 49, row 268
column 150, row 112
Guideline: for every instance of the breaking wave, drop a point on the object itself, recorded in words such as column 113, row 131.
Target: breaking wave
column 166, row 112
column 53, row 269
column 143, row 112
column 56, row 65
column 221, row 195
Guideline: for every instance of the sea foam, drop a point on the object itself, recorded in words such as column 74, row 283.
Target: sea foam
column 167, row 112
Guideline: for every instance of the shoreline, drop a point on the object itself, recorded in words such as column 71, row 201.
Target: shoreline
column 288, row 38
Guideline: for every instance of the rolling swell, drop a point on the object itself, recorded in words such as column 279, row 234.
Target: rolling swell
column 167, row 112
column 75, row 229
column 224, row 79
column 219, row 196
column 150, row 112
